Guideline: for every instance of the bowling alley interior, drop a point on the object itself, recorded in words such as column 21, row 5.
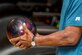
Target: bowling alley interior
column 45, row 14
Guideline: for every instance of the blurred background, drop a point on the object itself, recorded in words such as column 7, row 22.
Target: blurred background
column 44, row 13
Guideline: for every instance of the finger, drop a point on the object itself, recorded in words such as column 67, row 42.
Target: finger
column 14, row 40
column 25, row 29
column 25, row 43
column 22, row 46
column 18, row 44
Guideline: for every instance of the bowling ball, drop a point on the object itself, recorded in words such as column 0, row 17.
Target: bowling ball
column 15, row 26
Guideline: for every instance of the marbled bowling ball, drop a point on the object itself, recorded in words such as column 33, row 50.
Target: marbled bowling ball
column 15, row 27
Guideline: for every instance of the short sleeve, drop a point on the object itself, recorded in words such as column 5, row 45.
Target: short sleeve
column 74, row 17
column 74, row 21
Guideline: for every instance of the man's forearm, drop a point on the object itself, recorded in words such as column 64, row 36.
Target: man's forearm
column 60, row 38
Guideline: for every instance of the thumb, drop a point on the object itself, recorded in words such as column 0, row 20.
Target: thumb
column 27, row 31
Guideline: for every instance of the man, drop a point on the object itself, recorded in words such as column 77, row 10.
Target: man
column 68, row 39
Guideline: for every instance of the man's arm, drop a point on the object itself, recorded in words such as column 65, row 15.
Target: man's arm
column 67, row 37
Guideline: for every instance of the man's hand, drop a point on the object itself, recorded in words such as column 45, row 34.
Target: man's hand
column 23, row 41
